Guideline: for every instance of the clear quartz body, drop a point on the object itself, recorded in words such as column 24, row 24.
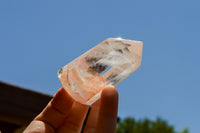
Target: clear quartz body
column 108, row 63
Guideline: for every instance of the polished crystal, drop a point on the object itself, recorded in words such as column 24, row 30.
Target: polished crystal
column 108, row 63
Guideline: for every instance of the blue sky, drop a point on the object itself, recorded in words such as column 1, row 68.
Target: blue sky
column 39, row 37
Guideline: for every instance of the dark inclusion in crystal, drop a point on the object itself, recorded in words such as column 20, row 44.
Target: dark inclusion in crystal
column 119, row 50
column 125, row 49
column 98, row 67
column 113, row 75
column 60, row 70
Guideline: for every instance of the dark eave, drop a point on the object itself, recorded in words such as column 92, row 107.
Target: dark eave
column 19, row 105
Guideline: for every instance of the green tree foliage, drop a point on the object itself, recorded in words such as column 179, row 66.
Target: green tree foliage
column 186, row 130
column 130, row 125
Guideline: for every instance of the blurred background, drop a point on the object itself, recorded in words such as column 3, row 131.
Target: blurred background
column 39, row 37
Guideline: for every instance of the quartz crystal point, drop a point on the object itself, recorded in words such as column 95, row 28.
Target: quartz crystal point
column 108, row 63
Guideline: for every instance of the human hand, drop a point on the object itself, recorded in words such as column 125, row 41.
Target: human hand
column 64, row 115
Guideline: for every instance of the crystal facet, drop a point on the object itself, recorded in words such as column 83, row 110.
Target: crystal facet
column 108, row 63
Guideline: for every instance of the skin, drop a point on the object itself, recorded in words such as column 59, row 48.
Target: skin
column 64, row 115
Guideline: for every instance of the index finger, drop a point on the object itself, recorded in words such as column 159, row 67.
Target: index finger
column 57, row 109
